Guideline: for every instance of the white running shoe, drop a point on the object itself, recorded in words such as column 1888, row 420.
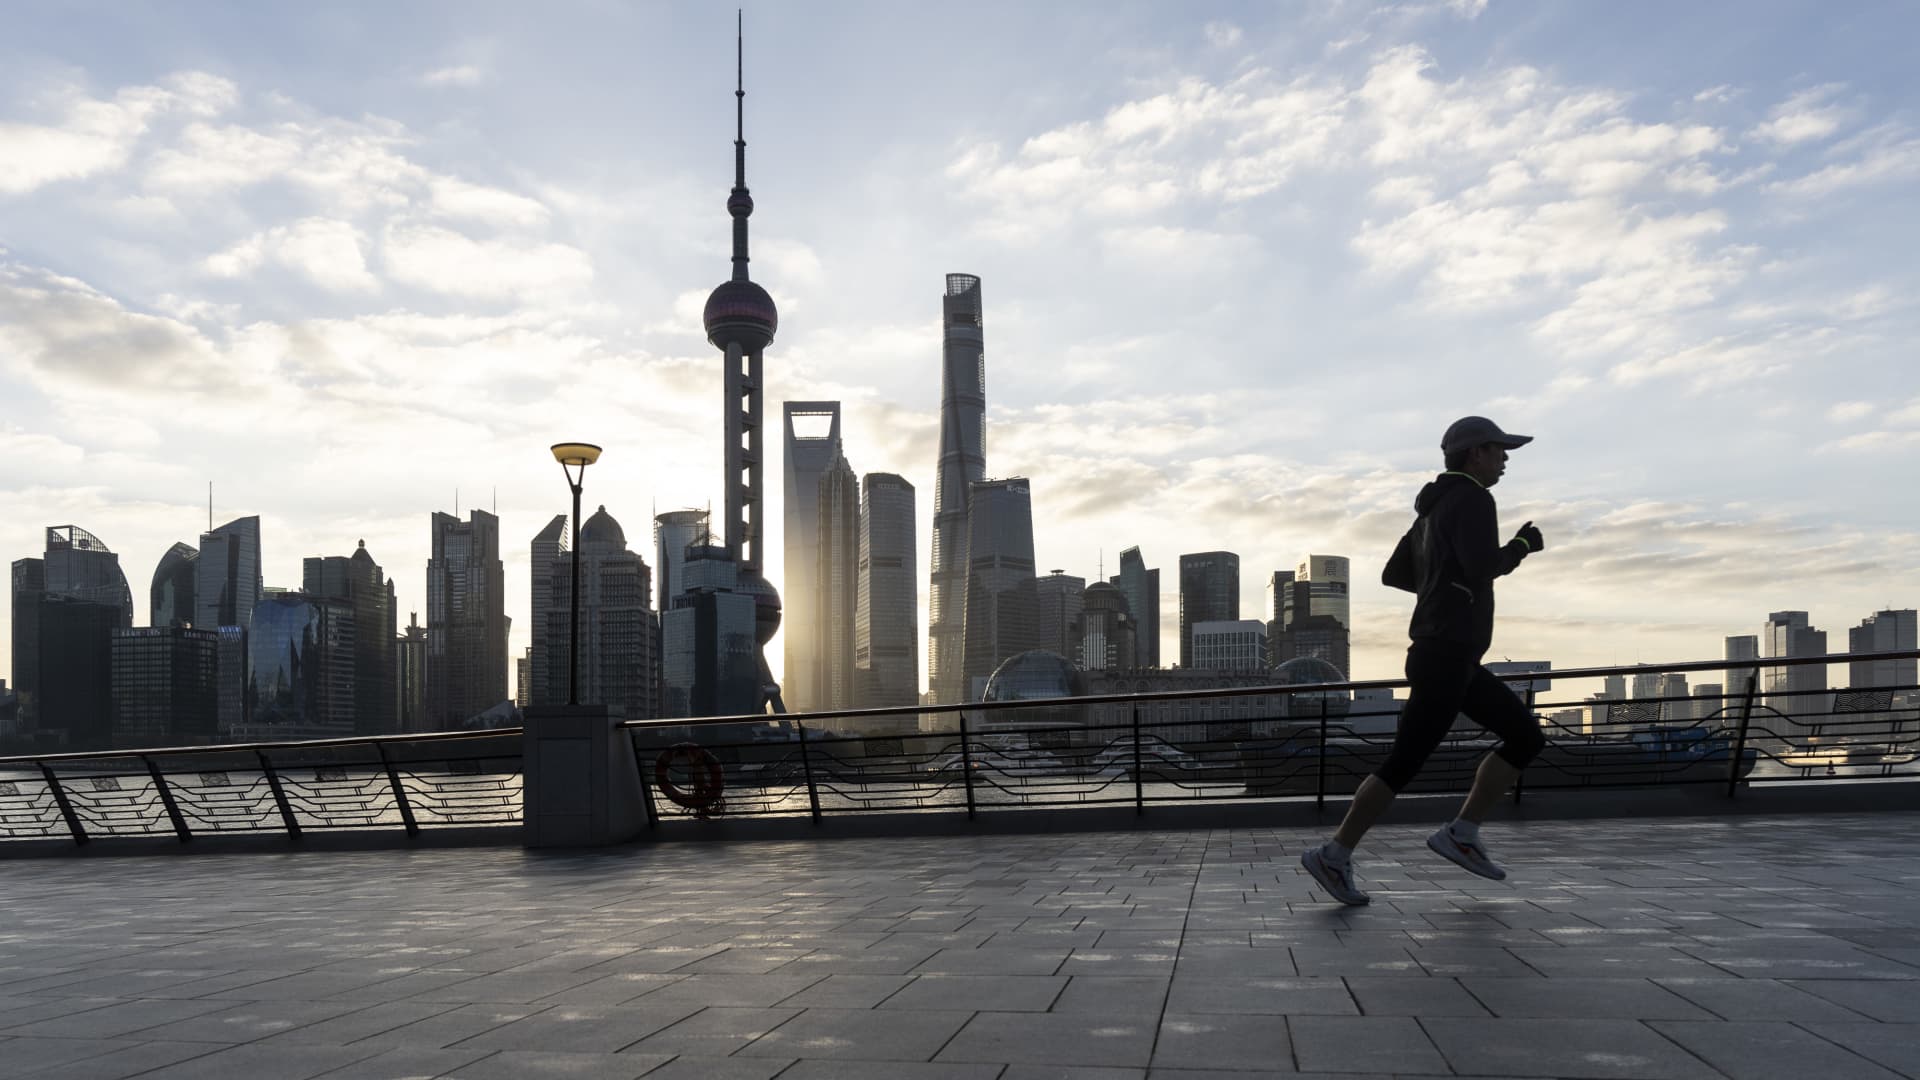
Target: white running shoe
column 1337, row 880
column 1468, row 854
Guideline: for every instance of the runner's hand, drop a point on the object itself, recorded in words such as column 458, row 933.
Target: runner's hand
column 1532, row 537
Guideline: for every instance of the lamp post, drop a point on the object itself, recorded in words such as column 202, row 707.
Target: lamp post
column 573, row 455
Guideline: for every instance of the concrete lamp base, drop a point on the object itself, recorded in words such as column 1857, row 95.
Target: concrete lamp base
column 579, row 787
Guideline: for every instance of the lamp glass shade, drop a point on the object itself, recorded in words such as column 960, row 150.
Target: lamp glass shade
column 576, row 453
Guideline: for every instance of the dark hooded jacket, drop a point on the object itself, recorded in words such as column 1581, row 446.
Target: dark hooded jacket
column 1449, row 559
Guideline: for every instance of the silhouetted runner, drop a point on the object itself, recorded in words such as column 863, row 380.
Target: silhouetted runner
column 1449, row 558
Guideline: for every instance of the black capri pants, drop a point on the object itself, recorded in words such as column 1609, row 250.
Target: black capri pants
column 1445, row 683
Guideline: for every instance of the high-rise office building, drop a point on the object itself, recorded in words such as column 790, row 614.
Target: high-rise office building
column 549, row 544
column 674, row 534
column 1230, row 645
column 1883, row 631
column 170, row 598
column 1798, row 690
column 66, row 606
column 300, row 660
column 963, row 462
column 164, row 690
column 410, row 675
column 1741, row 647
column 226, row 586
column 809, row 449
column 1279, row 600
column 1062, row 597
column 523, row 678
column 1002, row 608
column 741, row 319
column 712, row 664
column 467, row 620
column 1141, row 587
column 619, row 631
column 358, row 582
column 1676, row 705
column 80, row 567
column 1105, row 633
column 835, row 581
column 1327, row 578
column 75, row 684
column 29, row 585
column 227, row 576
column 886, row 638
column 1209, row 592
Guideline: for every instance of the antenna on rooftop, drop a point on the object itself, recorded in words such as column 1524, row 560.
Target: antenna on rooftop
column 209, row 506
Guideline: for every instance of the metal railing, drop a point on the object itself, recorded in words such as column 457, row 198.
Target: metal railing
column 1143, row 750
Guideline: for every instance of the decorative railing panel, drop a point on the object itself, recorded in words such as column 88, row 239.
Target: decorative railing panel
column 1143, row 750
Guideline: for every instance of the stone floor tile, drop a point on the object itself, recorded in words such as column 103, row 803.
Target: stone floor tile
column 1072, row 1073
column 407, row 1065
column 1229, row 961
column 1573, row 1049
column 1219, row 1041
column 714, row 1032
column 1896, row 1046
column 257, row 1062
column 848, row 992
column 1582, row 999
column 560, row 1065
column 576, row 1029
column 1765, row 999
column 1874, row 999
column 116, row 1019
column 117, row 1064
column 992, row 961
column 1274, row 997
column 1760, row 1050
column 729, row 1068
column 1377, row 1044
column 1001, row 993
column 1053, row 1039
column 1393, row 996
column 1113, row 995
column 25, row 1054
column 699, row 991
column 859, row 1035
column 890, row 1070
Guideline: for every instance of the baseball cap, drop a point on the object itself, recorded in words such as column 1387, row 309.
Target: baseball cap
column 1471, row 431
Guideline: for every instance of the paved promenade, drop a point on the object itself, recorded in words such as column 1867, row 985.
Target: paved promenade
column 1750, row 947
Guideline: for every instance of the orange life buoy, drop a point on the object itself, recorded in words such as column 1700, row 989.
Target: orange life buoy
column 701, row 765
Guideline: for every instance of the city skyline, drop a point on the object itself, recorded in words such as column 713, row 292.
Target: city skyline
column 343, row 291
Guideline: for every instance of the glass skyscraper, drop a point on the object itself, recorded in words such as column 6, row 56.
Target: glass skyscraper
column 886, row 609
column 1209, row 592
column 1003, row 608
column 466, row 620
column 963, row 462
column 808, row 452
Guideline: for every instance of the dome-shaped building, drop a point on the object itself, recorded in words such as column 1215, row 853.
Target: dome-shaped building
column 1037, row 675
column 1307, row 704
column 601, row 528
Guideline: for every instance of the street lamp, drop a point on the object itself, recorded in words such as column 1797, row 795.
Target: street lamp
column 571, row 455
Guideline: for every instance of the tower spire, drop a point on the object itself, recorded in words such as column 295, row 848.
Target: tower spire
column 739, row 202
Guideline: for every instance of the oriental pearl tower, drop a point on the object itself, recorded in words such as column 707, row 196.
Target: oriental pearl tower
column 741, row 320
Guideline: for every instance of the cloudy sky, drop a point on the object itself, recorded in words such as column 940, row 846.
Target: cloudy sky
column 1242, row 265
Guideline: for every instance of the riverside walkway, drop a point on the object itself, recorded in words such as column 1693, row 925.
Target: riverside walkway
column 1744, row 947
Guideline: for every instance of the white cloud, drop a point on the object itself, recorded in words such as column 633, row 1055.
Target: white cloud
column 1806, row 116
column 1845, row 412
column 329, row 253
column 96, row 136
column 1886, row 155
column 441, row 260
column 456, row 75
column 1222, row 35
column 455, row 198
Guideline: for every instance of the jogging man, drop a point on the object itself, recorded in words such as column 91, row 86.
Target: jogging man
column 1449, row 559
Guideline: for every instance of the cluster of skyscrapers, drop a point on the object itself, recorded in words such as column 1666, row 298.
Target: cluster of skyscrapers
column 227, row 658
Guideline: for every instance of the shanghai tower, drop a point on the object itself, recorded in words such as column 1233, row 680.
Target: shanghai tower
column 963, row 408
column 741, row 320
